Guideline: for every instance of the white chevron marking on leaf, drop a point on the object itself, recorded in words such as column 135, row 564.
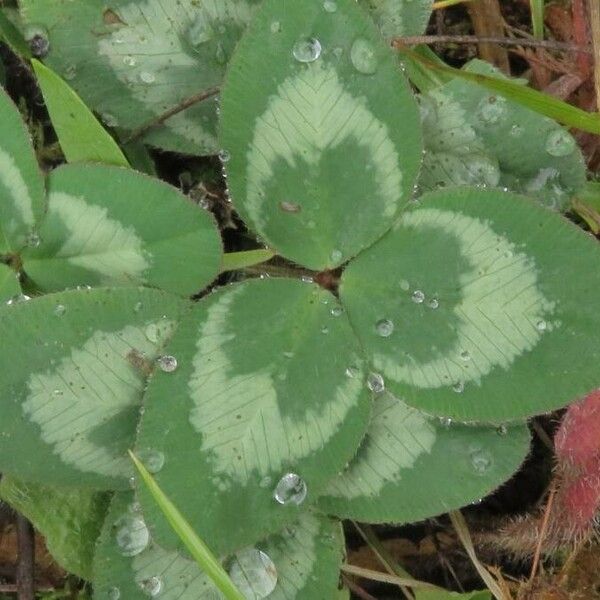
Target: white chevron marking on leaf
column 12, row 179
column 498, row 315
column 85, row 391
column 311, row 113
column 398, row 435
column 239, row 417
column 95, row 241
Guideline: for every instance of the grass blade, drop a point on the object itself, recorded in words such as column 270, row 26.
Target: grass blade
column 240, row 260
column 537, row 101
column 197, row 548
column 537, row 18
column 81, row 136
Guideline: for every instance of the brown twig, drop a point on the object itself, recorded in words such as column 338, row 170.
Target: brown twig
column 504, row 41
column 595, row 26
column 487, row 20
column 171, row 112
column 542, row 534
column 26, row 558
column 356, row 589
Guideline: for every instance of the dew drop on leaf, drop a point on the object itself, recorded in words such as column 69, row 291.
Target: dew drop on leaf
column 132, row 535
column 153, row 460
column 337, row 311
column 114, row 593
column 404, row 285
column 384, row 327
column 330, row 6
column 363, row 57
column 129, row 61
column 70, row 73
column 502, row 430
column 275, row 27
column 458, row 387
column 336, row 256
column 147, row 77
column 253, row 573
column 560, row 143
column 352, row 372
column 37, row 38
column 464, row 355
column 290, row 490
column 152, row 586
column 18, row 299
column 433, row 303
column 541, row 325
column 418, row 297
column 290, row 207
column 60, row 310
column 33, row 240
column 481, row 461
column 167, row 363
column 224, row 156
column 376, row 383
column 307, row 50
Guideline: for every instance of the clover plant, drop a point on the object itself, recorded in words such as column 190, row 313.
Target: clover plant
column 271, row 408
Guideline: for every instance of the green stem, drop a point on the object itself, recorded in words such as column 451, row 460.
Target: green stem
column 234, row 261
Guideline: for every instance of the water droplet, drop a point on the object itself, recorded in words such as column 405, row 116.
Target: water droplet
column 481, row 461
column 307, row 279
column 516, row 130
column 404, row 285
column 152, row 586
column 325, row 329
column 253, row 573
column 132, row 535
column 560, row 143
column 224, row 156
column 199, row 32
column 147, row 77
column 290, row 207
column 458, row 387
column 433, row 303
column 352, row 372
column 60, row 310
column 70, row 73
column 464, row 355
column 376, row 383
column 288, row 355
column 114, row 593
column 336, row 256
column 18, row 299
column 57, row 392
column 275, row 27
column 129, row 61
column 502, row 430
column 137, row 307
column 337, row 311
column 307, row 50
column 492, row 109
column 291, row 489
column 167, row 363
column 33, row 240
column 153, row 460
column 37, row 38
column 338, row 51
column 541, row 325
column 418, row 297
column 330, row 6
column 363, row 57
column 153, row 333
column 445, row 422
column 384, row 327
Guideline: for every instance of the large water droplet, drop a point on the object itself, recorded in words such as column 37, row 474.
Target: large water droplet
column 481, row 460
column 152, row 586
column 376, row 383
column 363, row 56
column 167, row 363
column 560, row 143
column 253, row 573
column 114, row 593
column 492, row 109
column 330, row 6
column 291, row 489
column 418, row 297
column 38, row 40
column 307, row 50
column 384, row 327
column 224, row 156
column 153, row 460
column 147, row 77
column 132, row 535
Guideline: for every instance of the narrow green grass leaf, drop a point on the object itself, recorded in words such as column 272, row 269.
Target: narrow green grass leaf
column 81, row 136
column 537, row 18
column 197, row 548
column 9, row 284
column 240, row 260
column 542, row 103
